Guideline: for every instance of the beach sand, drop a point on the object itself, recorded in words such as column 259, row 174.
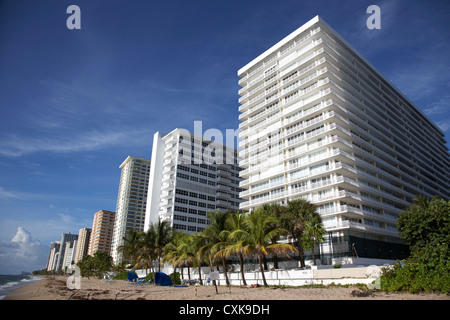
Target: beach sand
column 55, row 288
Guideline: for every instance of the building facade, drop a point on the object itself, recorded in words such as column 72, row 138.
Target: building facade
column 189, row 177
column 131, row 201
column 68, row 242
column 319, row 122
column 84, row 236
column 53, row 256
column 102, row 232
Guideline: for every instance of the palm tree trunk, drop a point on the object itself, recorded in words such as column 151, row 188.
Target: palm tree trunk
column 224, row 263
column 314, row 256
column 301, row 254
column 275, row 261
column 262, row 271
column 241, row 262
column 200, row 273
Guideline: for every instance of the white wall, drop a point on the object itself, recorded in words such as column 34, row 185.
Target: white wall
column 293, row 277
column 154, row 185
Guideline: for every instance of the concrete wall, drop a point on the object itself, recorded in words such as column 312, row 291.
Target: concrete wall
column 294, row 277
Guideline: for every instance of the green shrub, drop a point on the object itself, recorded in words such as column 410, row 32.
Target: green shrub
column 122, row 276
column 175, row 277
column 425, row 226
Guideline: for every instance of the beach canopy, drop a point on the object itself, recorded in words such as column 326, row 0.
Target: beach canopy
column 162, row 279
column 132, row 276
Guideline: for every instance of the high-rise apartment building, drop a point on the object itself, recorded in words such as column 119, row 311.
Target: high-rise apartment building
column 189, row 177
column 84, row 236
column 53, row 256
column 102, row 232
column 68, row 242
column 319, row 122
column 131, row 201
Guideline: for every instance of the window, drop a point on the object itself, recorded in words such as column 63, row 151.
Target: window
column 179, row 217
column 181, row 200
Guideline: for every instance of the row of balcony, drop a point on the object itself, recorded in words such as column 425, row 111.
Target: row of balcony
column 306, row 162
column 254, row 103
column 279, row 55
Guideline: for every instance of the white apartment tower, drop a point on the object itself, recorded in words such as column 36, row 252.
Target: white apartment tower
column 319, row 122
column 189, row 177
column 131, row 201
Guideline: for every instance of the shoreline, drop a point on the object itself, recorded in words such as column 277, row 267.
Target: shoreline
column 55, row 288
column 9, row 290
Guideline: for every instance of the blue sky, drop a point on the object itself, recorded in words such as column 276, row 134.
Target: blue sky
column 75, row 103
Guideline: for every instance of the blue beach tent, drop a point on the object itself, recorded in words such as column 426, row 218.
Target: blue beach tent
column 162, row 279
column 132, row 276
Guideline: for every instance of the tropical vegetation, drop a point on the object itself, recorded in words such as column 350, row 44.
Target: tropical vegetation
column 425, row 226
column 230, row 234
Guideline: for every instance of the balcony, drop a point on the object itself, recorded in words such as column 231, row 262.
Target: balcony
column 361, row 227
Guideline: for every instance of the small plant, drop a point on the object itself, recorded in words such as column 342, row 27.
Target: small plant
column 337, row 266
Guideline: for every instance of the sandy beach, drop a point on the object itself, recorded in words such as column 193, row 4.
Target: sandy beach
column 55, row 288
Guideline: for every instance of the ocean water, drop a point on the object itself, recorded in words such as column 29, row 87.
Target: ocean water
column 11, row 282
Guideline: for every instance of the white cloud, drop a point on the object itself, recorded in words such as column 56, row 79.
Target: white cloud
column 444, row 125
column 22, row 253
column 437, row 107
column 9, row 195
column 14, row 145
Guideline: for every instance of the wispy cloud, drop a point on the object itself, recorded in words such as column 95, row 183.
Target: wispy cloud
column 440, row 106
column 6, row 195
column 444, row 125
column 13, row 145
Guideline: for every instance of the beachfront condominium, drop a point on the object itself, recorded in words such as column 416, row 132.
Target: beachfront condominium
column 131, row 201
column 102, row 232
column 320, row 123
column 189, row 177
column 65, row 254
column 53, row 256
column 81, row 250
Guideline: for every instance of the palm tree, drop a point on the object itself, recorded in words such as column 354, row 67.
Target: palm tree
column 314, row 232
column 234, row 223
column 256, row 238
column 102, row 263
column 294, row 219
column 131, row 247
column 199, row 240
column 277, row 210
column 217, row 238
column 172, row 251
column 161, row 234
column 186, row 254
column 147, row 249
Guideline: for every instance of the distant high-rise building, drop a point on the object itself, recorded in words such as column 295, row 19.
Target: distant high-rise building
column 53, row 254
column 320, row 123
column 189, row 177
column 66, row 238
column 69, row 255
column 102, row 232
column 131, row 201
column 82, row 247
